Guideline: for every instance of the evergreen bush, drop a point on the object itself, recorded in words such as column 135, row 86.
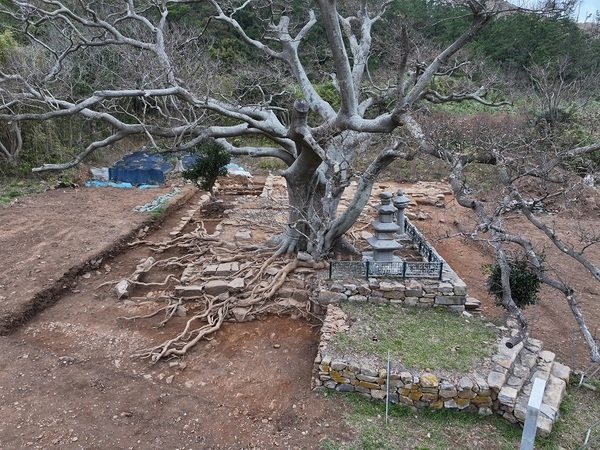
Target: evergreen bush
column 524, row 282
column 210, row 164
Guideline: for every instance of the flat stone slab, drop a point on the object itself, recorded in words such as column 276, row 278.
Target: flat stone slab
column 216, row 287
column 237, row 284
column 555, row 391
column 211, row 269
column 243, row 235
column 496, row 380
column 188, row 291
column 450, row 300
column 225, row 269
column 561, row 371
column 508, row 396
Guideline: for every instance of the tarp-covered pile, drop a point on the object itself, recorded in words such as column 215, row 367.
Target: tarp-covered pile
column 140, row 168
column 146, row 168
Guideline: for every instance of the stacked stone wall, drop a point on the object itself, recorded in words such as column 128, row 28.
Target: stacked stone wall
column 448, row 292
column 501, row 384
column 470, row 393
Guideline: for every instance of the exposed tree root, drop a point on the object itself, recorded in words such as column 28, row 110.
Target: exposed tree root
column 258, row 296
column 147, row 316
column 214, row 314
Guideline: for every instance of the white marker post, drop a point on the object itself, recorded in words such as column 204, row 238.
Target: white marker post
column 387, row 390
column 533, row 410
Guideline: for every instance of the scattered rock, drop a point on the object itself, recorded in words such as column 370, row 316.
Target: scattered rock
column 243, row 235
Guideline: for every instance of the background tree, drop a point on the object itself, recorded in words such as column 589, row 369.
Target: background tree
column 530, row 168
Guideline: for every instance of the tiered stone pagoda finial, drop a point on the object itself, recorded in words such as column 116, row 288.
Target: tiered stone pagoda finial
column 383, row 242
column 401, row 201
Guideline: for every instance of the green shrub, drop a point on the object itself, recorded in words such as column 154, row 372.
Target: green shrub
column 524, row 282
column 211, row 162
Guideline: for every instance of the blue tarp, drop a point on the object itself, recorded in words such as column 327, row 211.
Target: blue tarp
column 99, row 183
column 140, row 168
column 136, row 176
column 143, row 167
column 188, row 159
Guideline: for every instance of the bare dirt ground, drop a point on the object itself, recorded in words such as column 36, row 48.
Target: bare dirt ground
column 67, row 379
column 551, row 319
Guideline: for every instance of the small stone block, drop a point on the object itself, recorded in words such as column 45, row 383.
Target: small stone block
column 188, row 291
column 344, row 388
column 215, row 287
column 450, row 300
column 211, row 269
column 507, row 396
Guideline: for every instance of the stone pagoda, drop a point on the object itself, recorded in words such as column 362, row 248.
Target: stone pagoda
column 383, row 243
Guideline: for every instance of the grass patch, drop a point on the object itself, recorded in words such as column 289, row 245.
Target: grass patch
column 409, row 428
column 156, row 213
column 418, row 429
column 419, row 338
column 11, row 189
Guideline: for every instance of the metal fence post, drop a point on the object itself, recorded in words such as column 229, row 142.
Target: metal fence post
column 367, row 270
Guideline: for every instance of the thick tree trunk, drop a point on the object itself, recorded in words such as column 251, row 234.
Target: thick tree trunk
column 305, row 218
column 314, row 194
column 305, row 193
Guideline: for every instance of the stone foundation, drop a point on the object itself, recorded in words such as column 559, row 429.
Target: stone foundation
column 450, row 292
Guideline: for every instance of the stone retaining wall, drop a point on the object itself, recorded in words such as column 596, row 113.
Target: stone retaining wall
column 500, row 385
column 451, row 292
column 415, row 390
column 470, row 392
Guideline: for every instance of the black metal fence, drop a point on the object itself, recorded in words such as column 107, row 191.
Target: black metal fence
column 420, row 243
column 400, row 269
column 431, row 267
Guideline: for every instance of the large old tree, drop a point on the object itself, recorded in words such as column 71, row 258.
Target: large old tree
column 332, row 89
column 145, row 74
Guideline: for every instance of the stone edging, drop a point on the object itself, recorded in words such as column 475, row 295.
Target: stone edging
column 501, row 386
column 450, row 292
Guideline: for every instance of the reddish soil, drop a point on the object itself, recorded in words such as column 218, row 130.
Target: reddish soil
column 550, row 319
column 67, row 379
